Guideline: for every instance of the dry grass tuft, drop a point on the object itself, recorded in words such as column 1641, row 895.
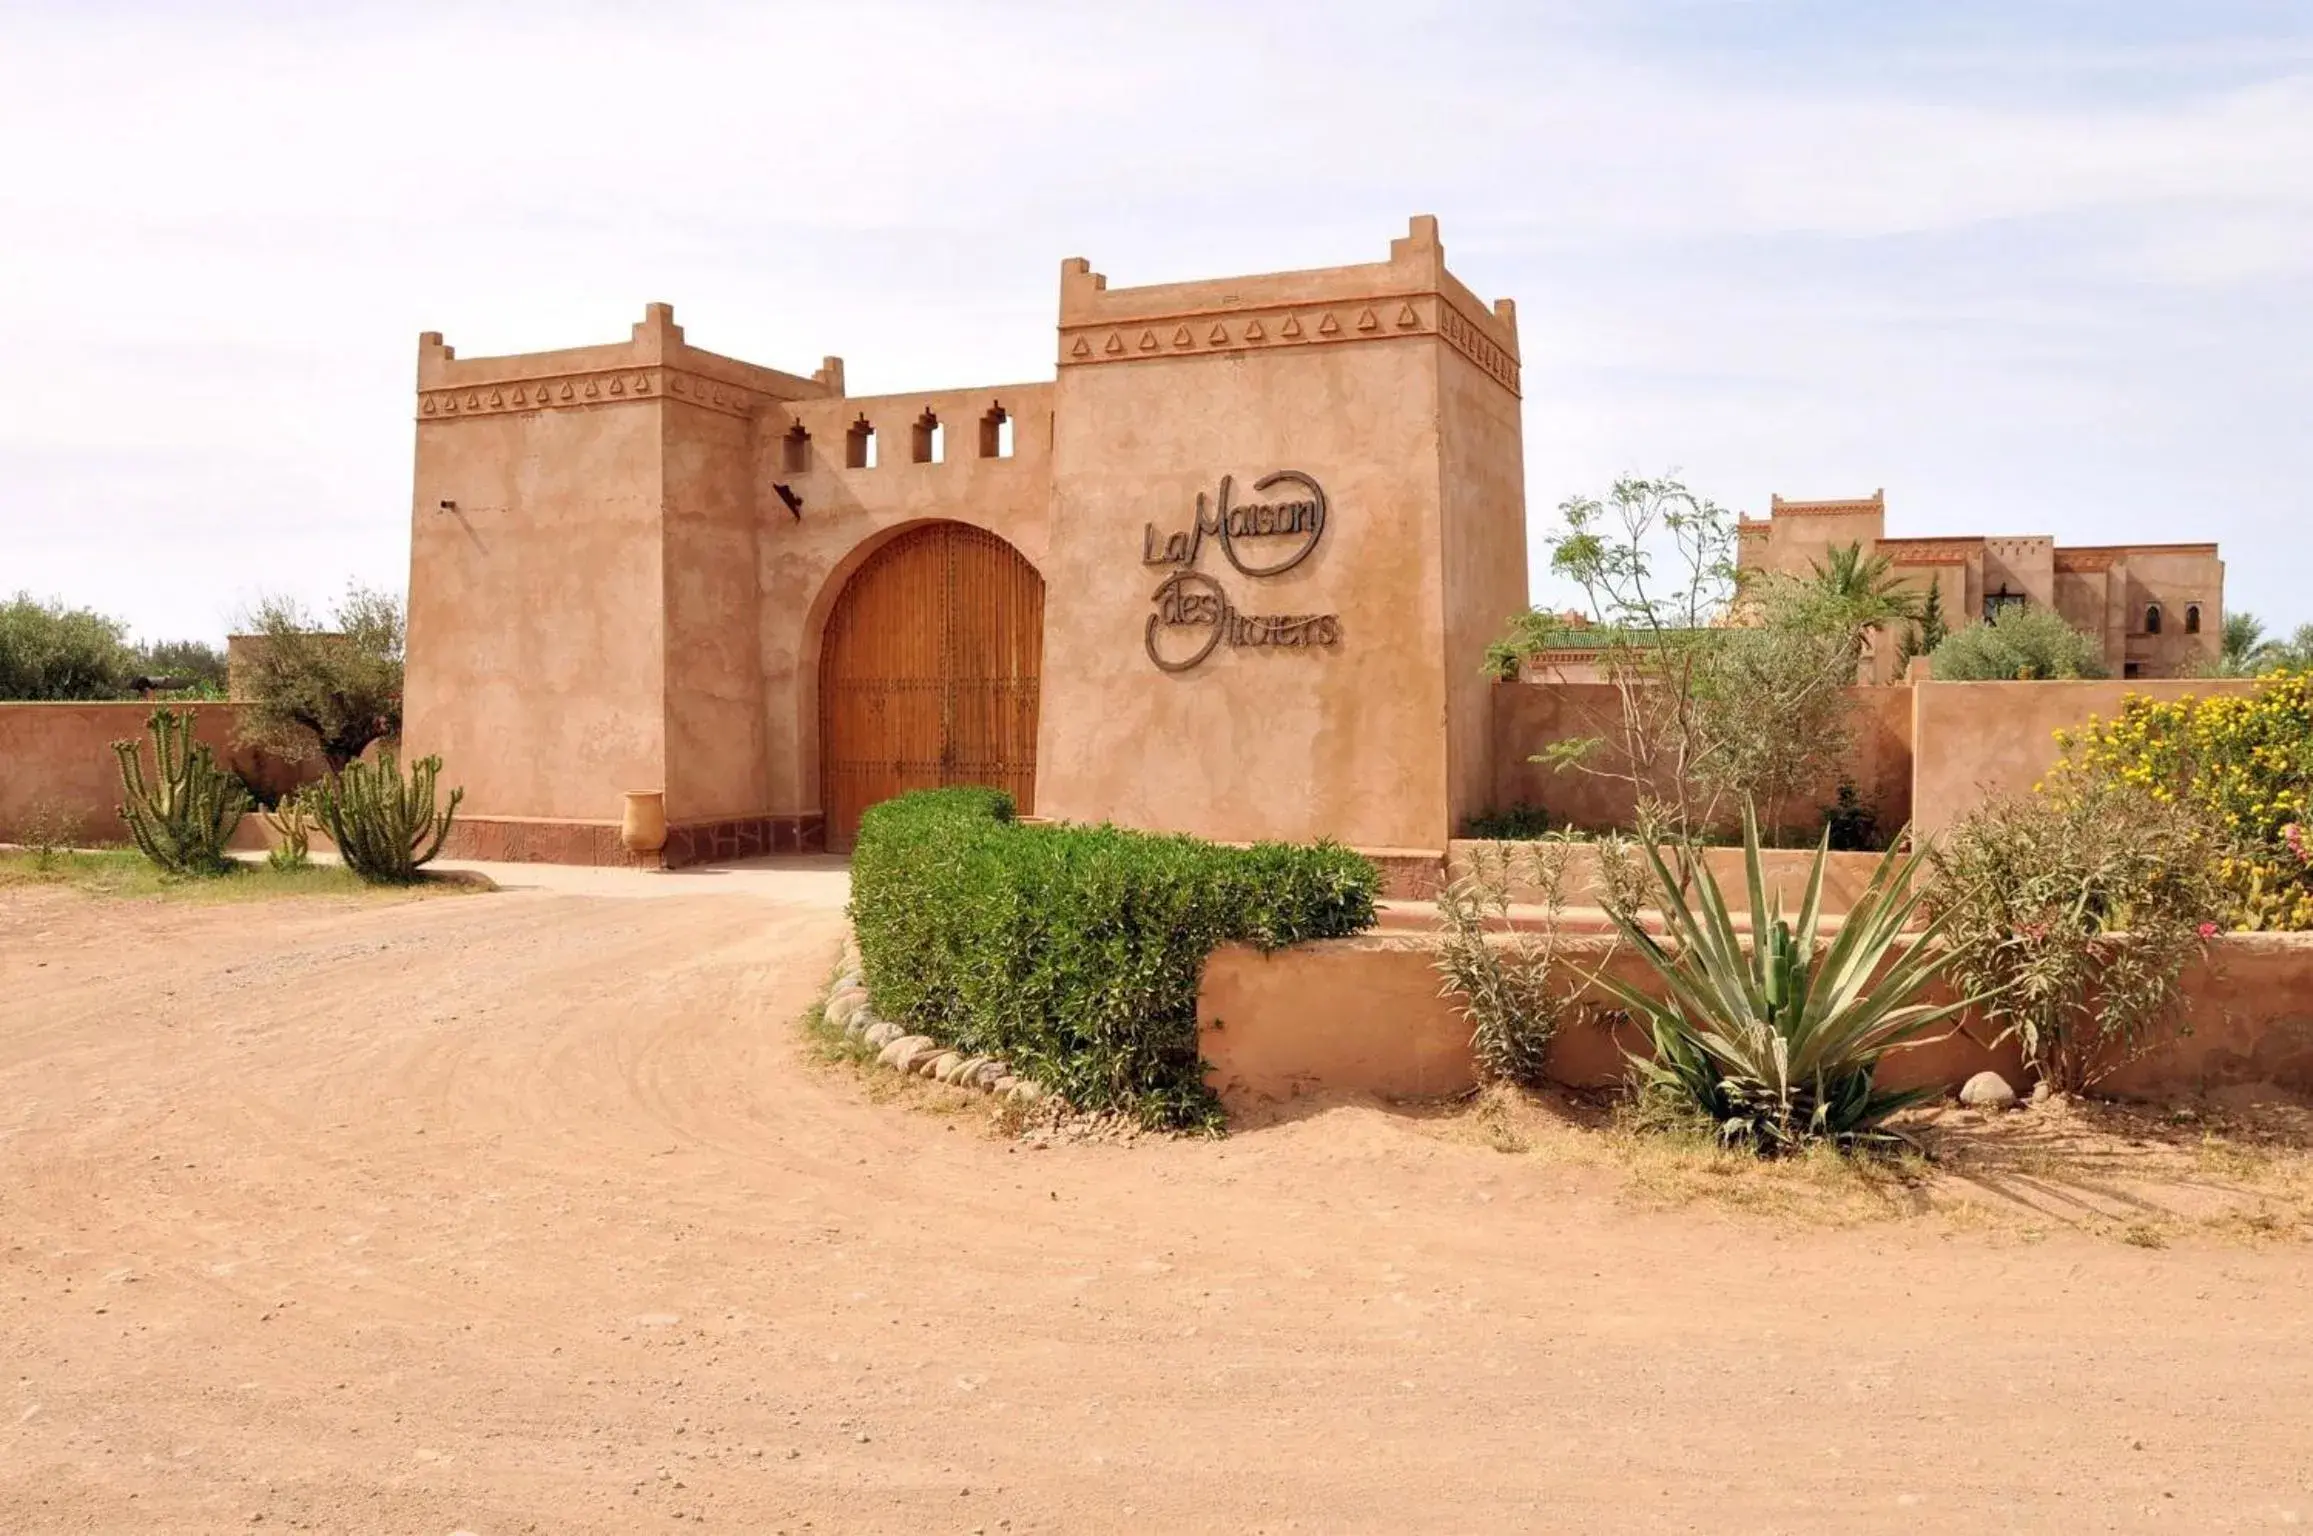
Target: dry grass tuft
column 2235, row 1168
column 124, row 874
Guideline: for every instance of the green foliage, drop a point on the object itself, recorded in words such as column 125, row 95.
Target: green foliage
column 2240, row 647
column 1776, row 719
column 1705, row 713
column 1922, row 638
column 1777, row 1044
column 2019, row 644
column 49, row 651
column 124, row 873
column 1074, row 953
column 1656, row 566
column 1508, row 980
column 1520, row 823
column 183, row 814
column 1851, row 594
column 2073, row 916
column 330, row 690
column 292, row 821
column 1849, row 824
column 2246, row 650
column 384, row 826
column 2244, row 761
column 188, row 667
column 50, row 828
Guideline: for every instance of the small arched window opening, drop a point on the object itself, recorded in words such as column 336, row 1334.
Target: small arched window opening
column 2192, row 618
column 795, row 450
column 2152, row 618
column 859, row 445
column 931, row 440
column 996, row 434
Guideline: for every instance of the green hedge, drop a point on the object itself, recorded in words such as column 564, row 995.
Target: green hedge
column 1074, row 952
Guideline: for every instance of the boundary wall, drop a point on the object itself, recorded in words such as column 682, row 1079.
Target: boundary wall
column 1972, row 741
column 1365, row 1015
column 1925, row 752
column 58, row 759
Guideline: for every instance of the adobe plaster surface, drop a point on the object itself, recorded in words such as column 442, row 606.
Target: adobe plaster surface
column 1365, row 1015
column 624, row 557
column 2105, row 591
column 1528, row 717
column 1973, row 741
column 56, row 760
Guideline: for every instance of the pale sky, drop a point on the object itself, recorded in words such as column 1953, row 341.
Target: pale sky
column 2034, row 266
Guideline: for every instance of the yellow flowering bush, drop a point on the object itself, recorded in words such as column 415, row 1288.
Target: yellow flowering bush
column 2244, row 760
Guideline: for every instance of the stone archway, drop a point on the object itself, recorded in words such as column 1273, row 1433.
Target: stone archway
column 930, row 671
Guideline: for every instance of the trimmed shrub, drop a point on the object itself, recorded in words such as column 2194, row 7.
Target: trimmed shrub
column 1074, row 953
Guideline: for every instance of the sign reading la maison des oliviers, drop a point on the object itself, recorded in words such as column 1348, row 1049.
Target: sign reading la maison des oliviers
column 1258, row 538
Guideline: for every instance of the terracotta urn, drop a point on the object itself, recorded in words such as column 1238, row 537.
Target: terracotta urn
column 644, row 828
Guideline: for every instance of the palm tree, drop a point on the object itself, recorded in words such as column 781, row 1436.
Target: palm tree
column 2294, row 654
column 2237, row 652
column 2246, row 652
column 1923, row 638
column 1859, row 595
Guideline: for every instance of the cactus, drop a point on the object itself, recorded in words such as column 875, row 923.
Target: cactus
column 1779, row 968
column 384, row 827
column 292, row 822
column 182, row 816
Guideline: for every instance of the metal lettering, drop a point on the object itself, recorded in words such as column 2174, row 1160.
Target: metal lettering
column 1190, row 600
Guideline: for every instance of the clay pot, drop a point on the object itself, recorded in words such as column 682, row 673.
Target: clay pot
column 644, row 829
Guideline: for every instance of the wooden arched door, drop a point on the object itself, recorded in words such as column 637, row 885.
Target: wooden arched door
column 929, row 674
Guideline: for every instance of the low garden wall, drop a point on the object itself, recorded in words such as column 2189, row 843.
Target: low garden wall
column 1530, row 716
column 1845, row 875
column 1367, row 1015
column 56, row 761
column 1972, row 741
column 1925, row 752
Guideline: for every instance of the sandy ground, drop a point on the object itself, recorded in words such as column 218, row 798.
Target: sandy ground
column 535, row 1211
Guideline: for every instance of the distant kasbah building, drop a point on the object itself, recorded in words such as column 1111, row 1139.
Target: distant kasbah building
column 2157, row 610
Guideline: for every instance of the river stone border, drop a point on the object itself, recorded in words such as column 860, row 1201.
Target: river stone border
column 849, row 1010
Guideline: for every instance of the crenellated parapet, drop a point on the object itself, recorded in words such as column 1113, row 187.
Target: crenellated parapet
column 1410, row 295
column 655, row 364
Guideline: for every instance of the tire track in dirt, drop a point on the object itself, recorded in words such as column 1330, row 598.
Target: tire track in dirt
column 532, row 1208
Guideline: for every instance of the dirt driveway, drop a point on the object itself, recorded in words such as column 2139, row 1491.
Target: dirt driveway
column 533, row 1212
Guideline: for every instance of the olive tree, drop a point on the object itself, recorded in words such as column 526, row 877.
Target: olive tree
column 329, row 688
column 2019, row 644
column 51, row 652
column 1725, row 690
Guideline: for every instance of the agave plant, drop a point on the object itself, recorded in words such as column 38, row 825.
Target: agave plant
column 1777, row 1042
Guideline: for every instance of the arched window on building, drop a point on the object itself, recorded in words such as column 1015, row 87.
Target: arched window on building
column 2152, row 618
column 2192, row 618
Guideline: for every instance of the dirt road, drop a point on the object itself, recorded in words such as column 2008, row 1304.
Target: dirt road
column 532, row 1212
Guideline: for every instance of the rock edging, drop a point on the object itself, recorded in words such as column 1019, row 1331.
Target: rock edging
column 849, row 1009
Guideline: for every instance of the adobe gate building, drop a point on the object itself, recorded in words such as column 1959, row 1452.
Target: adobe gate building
column 1231, row 572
